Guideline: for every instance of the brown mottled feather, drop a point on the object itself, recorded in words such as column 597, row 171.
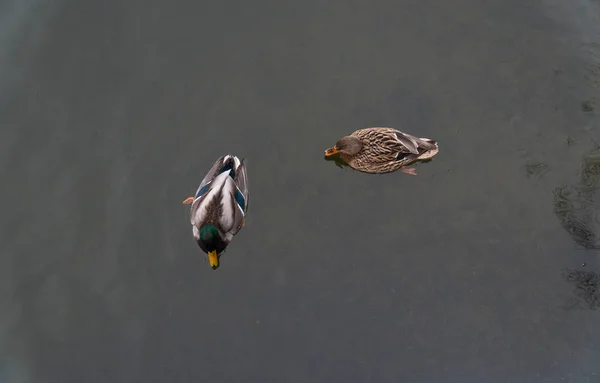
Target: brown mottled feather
column 387, row 150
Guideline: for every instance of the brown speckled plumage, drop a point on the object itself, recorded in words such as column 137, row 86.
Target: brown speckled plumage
column 214, row 210
column 384, row 150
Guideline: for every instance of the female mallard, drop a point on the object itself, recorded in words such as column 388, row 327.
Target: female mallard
column 219, row 206
column 383, row 150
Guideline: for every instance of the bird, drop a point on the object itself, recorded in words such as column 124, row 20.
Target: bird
column 382, row 150
column 219, row 207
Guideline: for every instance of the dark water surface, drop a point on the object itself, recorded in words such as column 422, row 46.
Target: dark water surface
column 112, row 111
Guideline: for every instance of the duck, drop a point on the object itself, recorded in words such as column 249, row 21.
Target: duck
column 218, row 209
column 382, row 150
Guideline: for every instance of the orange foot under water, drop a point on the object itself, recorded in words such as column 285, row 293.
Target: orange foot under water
column 410, row 171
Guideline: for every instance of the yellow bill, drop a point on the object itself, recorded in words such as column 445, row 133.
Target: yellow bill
column 213, row 259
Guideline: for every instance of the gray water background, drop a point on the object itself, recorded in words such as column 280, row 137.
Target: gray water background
column 473, row 271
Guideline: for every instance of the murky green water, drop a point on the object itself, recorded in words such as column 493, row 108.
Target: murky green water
column 481, row 268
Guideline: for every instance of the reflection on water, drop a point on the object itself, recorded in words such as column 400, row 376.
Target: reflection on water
column 337, row 160
column 536, row 168
column 586, row 288
column 574, row 216
column 340, row 163
column 574, row 206
column 590, row 105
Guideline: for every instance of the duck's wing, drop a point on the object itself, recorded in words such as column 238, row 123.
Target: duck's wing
column 397, row 141
column 241, row 181
column 215, row 203
column 212, row 173
column 386, row 144
column 231, row 224
column 415, row 145
column 198, row 209
column 232, row 206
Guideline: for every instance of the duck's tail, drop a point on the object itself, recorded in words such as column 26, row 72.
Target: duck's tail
column 427, row 148
column 230, row 162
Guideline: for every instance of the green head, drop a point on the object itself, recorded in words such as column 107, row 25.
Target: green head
column 211, row 243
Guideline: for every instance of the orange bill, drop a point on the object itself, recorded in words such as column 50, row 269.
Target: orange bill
column 331, row 151
column 188, row 200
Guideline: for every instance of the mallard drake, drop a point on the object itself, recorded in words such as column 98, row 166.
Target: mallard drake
column 219, row 206
column 383, row 150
